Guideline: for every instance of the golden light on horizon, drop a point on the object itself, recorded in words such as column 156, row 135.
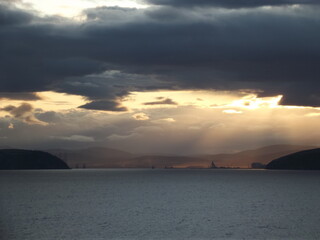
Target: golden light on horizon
column 59, row 101
column 49, row 101
column 253, row 102
column 200, row 99
column 228, row 102
column 196, row 98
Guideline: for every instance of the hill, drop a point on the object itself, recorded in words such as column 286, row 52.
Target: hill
column 112, row 158
column 304, row 160
column 95, row 157
column 263, row 155
column 11, row 159
column 242, row 159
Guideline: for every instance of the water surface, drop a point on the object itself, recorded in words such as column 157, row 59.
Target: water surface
column 159, row 204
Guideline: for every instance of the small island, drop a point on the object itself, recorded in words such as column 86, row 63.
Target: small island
column 303, row 160
column 16, row 159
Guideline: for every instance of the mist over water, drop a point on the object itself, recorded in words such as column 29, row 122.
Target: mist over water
column 159, row 204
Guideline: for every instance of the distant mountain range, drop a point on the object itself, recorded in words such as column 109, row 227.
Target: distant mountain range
column 303, row 160
column 112, row 158
column 95, row 157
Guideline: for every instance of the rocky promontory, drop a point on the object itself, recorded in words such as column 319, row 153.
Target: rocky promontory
column 304, row 160
column 12, row 159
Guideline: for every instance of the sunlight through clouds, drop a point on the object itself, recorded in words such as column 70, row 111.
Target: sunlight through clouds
column 231, row 111
column 140, row 116
column 253, row 102
column 48, row 101
column 172, row 99
column 200, row 99
column 170, row 76
column 73, row 8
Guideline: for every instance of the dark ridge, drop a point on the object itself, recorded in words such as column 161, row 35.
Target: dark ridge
column 12, row 159
column 304, row 160
column 102, row 157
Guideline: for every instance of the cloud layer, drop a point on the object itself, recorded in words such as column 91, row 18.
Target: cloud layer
column 118, row 50
column 231, row 3
column 181, row 130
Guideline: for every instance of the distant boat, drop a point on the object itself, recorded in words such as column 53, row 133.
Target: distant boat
column 213, row 165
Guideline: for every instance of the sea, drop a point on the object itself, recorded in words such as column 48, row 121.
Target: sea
column 159, row 204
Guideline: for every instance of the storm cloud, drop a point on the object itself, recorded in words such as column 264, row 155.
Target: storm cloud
column 273, row 50
column 105, row 105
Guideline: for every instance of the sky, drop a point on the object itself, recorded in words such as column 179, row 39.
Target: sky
column 159, row 76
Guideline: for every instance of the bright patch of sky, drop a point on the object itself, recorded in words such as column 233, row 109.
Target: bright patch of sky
column 50, row 101
column 199, row 121
column 200, row 99
column 73, row 8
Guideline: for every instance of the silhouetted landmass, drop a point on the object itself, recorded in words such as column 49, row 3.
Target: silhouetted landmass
column 11, row 159
column 263, row 155
column 304, row 160
column 99, row 157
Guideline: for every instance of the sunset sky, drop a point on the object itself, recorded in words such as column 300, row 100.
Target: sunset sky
column 159, row 76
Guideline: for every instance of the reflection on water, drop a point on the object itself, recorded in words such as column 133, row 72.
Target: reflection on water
column 159, row 204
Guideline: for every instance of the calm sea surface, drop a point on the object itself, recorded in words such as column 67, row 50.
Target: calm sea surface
column 159, row 204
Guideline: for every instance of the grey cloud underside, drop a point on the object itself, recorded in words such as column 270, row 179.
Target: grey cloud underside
column 13, row 16
column 167, row 101
column 19, row 96
column 119, row 50
column 105, row 105
column 231, row 3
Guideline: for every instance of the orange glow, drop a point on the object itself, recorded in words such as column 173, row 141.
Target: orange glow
column 253, row 102
column 50, row 101
column 200, row 99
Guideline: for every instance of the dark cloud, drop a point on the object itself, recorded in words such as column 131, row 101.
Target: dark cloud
column 167, row 101
column 24, row 112
column 119, row 50
column 105, row 105
column 11, row 16
column 231, row 3
column 20, row 96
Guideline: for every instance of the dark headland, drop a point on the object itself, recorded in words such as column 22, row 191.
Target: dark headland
column 11, row 159
column 303, row 160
